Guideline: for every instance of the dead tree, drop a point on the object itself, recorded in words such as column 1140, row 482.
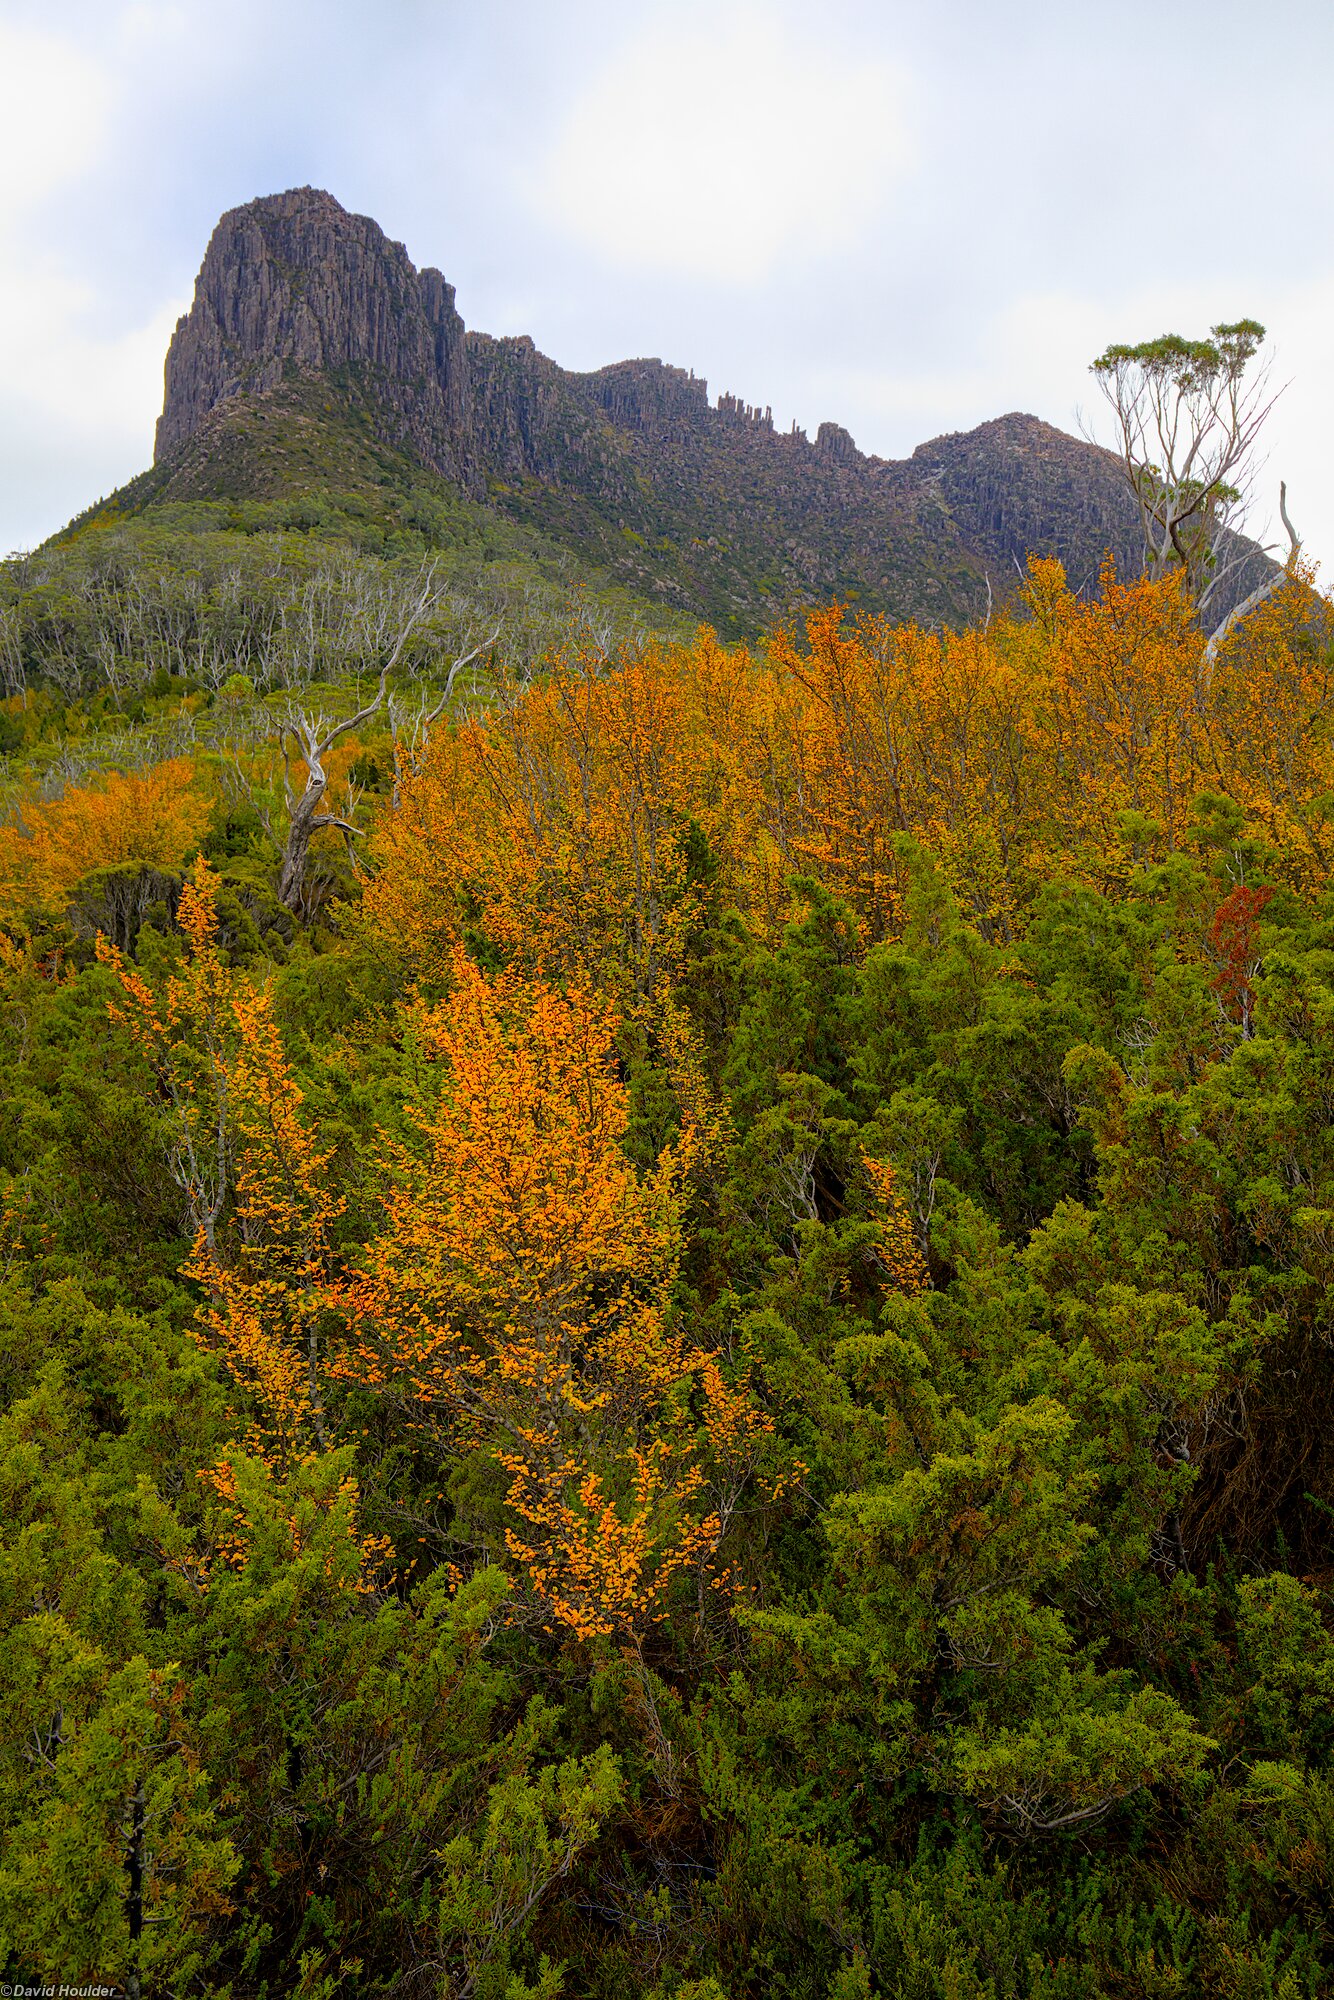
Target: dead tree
column 312, row 738
column 411, row 744
column 12, row 672
column 1262, row 590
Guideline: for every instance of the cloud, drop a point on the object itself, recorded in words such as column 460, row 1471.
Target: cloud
column 74, row 389
column 55, row 117
column 76, row 401
column 722, row 147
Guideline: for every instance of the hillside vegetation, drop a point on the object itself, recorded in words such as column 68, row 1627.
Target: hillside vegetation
column 706, row 1370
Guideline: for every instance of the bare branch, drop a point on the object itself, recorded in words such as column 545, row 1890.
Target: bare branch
column 1263, row 590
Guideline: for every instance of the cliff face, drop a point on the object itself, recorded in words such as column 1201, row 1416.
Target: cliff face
column 293, row 282
column 1016, row 484
column 705, row 506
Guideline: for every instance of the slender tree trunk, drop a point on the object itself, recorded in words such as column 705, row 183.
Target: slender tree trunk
column 134, row 1897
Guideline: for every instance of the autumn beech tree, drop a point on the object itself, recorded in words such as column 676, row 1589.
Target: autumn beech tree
column 562, row 827
column 574, row 797
column 897, row 1249
column 517, row 1300
column 263, row 1206
column 260, row 1204
column 517, row 1303
column 187, row 1032
column 153, row 816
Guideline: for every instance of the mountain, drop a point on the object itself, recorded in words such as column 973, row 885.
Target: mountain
column 315, row 354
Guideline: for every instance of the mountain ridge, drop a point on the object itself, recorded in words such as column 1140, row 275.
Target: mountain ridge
column 700, row 506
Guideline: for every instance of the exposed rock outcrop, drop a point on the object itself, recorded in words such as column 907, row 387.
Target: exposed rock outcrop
column 705, row 506
column 293, row 282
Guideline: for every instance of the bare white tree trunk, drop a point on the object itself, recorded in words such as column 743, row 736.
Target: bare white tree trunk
column 312, row 738
column 1261, row 591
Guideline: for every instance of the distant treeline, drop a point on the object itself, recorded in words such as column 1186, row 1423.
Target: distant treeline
column 192, row 596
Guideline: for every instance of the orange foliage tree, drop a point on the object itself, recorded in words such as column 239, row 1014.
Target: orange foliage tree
column 189, row 1035
column 899, row 1252
column 1066, row 737
column 517, row 1301
column 559, row 828
column 154, row 816
column 517, row 1298
column 269, row 1283
column 261, row 1202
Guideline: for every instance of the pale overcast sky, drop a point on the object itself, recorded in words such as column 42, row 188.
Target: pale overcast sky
column 906, row 218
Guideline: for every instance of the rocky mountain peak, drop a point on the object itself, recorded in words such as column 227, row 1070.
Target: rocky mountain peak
column 702, row 506
column 294, row 281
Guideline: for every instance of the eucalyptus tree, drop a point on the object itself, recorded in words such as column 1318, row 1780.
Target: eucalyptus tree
column 1189, row 416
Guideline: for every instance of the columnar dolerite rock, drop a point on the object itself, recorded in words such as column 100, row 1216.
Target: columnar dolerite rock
column 706, row 506
column 644, row 395
column 1016, row 485
column 835, row 445
column 294, row 281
